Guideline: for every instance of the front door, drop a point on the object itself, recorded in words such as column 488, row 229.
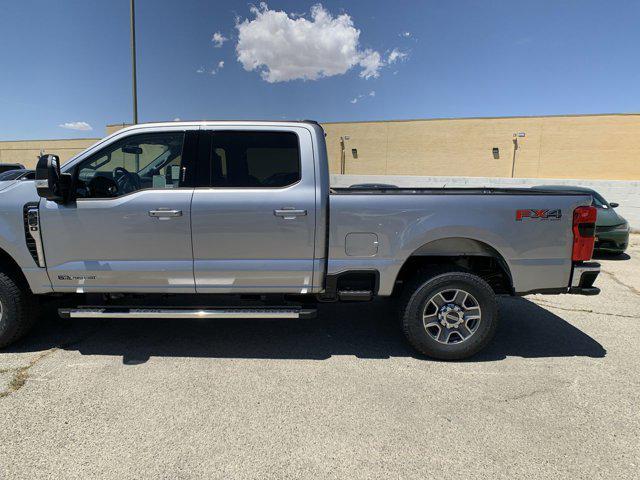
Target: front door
column 253, row 211
column 128, row 228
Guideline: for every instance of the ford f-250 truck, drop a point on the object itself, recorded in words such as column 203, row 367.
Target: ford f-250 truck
column 207, row 212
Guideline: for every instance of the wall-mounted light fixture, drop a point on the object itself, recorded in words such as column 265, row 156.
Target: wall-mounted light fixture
column 354, row 152
column 515, row 149
column 496, row 153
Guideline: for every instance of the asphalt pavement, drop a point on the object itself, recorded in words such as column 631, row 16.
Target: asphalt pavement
column 556, row 395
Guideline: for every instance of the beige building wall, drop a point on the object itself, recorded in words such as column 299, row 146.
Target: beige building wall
column 570, row 146
column 114, row 127
column 580, row 146
column 26, row 152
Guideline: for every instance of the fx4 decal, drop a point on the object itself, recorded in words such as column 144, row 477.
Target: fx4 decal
column 527, row 213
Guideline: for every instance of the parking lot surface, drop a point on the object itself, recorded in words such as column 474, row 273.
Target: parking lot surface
column 556, row 395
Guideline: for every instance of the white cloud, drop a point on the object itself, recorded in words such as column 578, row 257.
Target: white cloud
column 371, row 63
column 405, row 34
column 361, row 96
column 213, row 71
column 76, row 126
column 219, row 66
column 396, row 55
column 218, row 39
column 283, row 47
column 177, row 119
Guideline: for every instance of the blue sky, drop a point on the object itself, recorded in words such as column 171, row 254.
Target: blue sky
column 68, row 62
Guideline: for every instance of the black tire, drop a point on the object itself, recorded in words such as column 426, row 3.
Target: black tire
column 422, row 289
column 17, row 310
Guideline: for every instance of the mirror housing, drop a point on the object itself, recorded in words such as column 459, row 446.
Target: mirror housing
column 614, row 205
column 132, row 149
column 50, row 183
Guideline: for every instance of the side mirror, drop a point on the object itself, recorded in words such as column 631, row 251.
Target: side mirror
column 614, row 205
column 50, row 183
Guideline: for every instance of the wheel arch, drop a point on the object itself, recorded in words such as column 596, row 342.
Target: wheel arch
column 469, row 254
column 10, row 266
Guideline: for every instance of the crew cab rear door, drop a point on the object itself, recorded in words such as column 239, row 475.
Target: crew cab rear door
column 253, row 210
column 127, row 227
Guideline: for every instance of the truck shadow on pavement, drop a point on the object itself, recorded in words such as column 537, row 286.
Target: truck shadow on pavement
column 363, row 330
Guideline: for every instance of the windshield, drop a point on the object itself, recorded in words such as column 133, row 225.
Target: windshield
column 599, row 201
column 11, row 175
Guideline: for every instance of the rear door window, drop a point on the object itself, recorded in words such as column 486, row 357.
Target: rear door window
column 248, row 159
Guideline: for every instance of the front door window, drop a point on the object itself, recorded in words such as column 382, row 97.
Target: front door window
column 137, row 162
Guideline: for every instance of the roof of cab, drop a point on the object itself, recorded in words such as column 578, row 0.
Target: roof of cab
column 192, row 123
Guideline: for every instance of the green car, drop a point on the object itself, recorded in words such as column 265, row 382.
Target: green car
column 612, row 231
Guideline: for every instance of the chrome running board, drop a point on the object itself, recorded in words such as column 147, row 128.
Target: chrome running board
column 210, row 312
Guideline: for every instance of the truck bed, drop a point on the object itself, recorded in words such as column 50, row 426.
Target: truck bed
column 379, row 228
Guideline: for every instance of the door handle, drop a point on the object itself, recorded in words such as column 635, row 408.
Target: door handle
column 165, row 213
column 289, row 213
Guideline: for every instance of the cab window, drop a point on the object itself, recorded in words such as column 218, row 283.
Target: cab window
column 254, row 159
column 138, row 162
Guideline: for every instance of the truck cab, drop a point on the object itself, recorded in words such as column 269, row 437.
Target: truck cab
column 213, row 208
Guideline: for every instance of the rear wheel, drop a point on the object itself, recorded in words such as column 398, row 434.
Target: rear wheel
column 17, row 312
column 449, row 315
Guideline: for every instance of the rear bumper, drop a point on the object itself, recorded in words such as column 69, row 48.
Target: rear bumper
column 583, row 276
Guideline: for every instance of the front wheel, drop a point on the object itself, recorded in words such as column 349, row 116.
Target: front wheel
column 449, row 316
column 17, row 310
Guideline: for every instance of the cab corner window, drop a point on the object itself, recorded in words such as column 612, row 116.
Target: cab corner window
column 137, row 162
column 248, row 159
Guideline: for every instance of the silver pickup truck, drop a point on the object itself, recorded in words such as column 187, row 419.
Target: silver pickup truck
column 237, row 219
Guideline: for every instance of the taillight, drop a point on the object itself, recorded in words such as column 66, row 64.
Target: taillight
column 584, row 230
